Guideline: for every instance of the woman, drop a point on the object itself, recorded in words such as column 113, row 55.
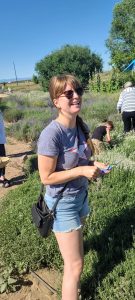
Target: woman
column 63, row 160
column 3, row 181
column 126, row 106
column 99, row 133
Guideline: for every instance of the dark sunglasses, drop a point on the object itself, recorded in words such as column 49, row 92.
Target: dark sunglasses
column 69, row 94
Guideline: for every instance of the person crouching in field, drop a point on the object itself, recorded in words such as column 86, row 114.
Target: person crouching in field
column 64, row 162
column 98, row 136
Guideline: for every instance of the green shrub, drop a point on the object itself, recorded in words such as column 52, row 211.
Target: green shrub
column 27, row 129
column 31, row 165
column 13, row 115
column 96, row 111
column 112, row 82
column 120, row 284
column 127, row 147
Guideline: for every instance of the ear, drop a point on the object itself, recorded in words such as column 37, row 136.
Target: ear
column 56, row 103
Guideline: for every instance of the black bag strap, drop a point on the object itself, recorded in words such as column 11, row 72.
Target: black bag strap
column 56, row 202
column 41, row 188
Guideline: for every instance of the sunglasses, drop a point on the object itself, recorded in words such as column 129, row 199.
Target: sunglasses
column 69, row 94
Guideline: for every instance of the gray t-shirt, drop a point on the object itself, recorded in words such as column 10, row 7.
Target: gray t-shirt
column 69, row 145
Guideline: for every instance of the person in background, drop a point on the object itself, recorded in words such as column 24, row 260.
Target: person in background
column 64, row 162
column 126, row 106
column 3, row 181
column 101, row 132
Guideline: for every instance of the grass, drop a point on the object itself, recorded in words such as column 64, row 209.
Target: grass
column 27, row 250
column 25, row 85
column 109, row 234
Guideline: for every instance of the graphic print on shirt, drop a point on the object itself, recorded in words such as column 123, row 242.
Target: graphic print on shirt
column 80, row 149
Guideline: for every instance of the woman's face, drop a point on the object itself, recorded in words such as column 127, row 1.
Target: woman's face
column 70, row 100
column 109, row 127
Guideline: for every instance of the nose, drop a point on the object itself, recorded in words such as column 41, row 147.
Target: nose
column 75, row 95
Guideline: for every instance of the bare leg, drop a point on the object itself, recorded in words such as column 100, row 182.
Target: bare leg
column 71, row 248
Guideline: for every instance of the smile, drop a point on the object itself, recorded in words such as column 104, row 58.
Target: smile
column 76, row 103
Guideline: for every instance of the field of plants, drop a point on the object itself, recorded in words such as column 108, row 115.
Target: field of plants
column 109, row 233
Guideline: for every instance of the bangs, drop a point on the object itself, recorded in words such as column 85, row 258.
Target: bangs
column 59, row 83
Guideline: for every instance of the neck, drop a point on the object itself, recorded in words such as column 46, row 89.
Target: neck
column 67, row 121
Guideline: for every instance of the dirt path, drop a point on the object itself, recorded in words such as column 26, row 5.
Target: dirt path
column 18, row 152
column 32, row 289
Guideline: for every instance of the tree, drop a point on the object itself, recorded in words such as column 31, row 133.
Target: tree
column 75, row 60
column 121, row 41
column 35, row 79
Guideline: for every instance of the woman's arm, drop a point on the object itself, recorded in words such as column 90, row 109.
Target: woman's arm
column 120, row 101
column 108, row 137
column 48, row 175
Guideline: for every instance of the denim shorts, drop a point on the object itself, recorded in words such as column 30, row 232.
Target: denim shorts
column 69, row 211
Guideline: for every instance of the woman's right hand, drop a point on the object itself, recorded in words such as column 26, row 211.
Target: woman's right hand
column 91, row 172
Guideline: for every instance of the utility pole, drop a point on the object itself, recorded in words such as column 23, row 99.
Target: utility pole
column 15, row 73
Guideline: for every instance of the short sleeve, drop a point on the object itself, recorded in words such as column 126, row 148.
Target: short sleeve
column 48, row 142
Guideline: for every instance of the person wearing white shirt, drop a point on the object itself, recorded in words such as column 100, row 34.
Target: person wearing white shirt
column 126, row 105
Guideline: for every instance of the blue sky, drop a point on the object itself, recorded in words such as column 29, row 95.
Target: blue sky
column 32, row 29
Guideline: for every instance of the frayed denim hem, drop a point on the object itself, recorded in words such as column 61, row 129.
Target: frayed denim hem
column 69, row 230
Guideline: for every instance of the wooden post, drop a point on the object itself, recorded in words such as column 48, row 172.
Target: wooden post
column 15, row 73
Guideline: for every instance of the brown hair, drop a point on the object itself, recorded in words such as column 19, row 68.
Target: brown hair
column 110, row 123
column 106, row 122
column 86, row 132
column 58, row 84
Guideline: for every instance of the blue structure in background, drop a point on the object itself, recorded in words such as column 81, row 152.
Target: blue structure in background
column 131, row 66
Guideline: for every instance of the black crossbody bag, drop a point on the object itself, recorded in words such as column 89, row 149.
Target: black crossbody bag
column 42, row 216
